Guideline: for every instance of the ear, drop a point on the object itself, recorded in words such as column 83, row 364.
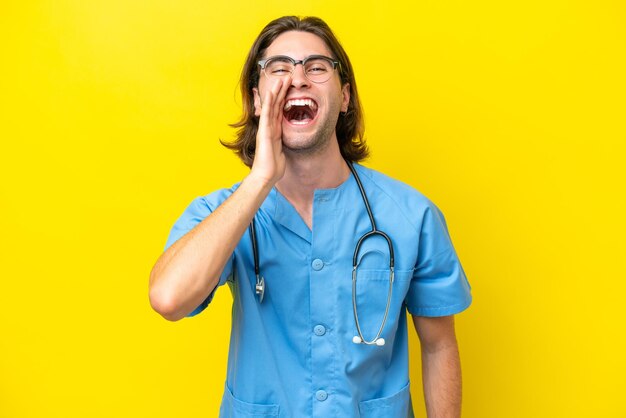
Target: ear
column 345, row 93
column 257, row 101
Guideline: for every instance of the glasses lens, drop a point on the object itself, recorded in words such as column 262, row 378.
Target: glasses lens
column 278, row 67
column 318, row 70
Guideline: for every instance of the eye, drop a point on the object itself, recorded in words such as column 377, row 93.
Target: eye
column 279, row 67
column 317, row 67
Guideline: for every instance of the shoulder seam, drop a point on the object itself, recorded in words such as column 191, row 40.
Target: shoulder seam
column 417, row 230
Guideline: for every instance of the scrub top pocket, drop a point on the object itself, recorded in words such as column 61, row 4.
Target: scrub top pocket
column 234, row 408
column 397, row 405
column 372, row 288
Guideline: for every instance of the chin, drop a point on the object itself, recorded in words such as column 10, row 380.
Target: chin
column 307, row 145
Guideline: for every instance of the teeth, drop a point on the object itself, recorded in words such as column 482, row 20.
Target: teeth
column 299, row 102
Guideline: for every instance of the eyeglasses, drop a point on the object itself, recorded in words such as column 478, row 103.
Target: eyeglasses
column 317, row 68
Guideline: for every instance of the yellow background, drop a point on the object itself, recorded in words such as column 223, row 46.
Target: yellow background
column 509, row 115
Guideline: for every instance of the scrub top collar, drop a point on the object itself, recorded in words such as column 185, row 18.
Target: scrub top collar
column 287, row 216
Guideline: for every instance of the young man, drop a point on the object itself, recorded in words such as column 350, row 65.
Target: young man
column 321, row 330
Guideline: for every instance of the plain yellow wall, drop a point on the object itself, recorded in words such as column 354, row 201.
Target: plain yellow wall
column 509, row 115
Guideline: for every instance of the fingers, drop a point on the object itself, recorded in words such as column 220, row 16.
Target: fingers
column 280, row 96
column 269, row 160
column 274, row 100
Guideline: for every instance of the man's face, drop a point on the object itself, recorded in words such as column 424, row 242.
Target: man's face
column 310, row 109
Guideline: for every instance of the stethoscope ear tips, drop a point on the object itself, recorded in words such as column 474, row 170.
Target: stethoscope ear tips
column 358, row 340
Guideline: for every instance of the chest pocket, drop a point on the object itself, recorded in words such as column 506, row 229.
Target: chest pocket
column 234, row 408
column 397, row 405
column 372, row 289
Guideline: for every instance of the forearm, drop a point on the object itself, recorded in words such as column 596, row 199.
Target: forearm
column 441, row 375
column 189, row 270
column 187, row 273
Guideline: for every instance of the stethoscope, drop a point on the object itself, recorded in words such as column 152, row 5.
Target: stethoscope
column 357, row 339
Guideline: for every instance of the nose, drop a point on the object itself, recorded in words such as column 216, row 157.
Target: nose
column 298, row 78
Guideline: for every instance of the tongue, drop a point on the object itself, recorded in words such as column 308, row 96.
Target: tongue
column 299, row 114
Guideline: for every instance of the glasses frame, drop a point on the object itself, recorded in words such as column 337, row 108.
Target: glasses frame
column 335, row 64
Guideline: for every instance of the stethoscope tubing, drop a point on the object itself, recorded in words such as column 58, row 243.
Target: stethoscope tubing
column 260, row 281
column 359, row 339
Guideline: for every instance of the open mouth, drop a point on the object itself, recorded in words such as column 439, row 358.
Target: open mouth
column 300, row 111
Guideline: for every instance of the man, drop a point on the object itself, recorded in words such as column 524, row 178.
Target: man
column 309, row 338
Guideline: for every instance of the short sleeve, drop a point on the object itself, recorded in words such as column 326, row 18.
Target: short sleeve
column 195, row 213
column 439, row 286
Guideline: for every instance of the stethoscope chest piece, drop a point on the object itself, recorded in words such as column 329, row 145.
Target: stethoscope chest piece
column 260, row 287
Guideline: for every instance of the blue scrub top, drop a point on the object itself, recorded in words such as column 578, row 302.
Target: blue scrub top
column 293, row 355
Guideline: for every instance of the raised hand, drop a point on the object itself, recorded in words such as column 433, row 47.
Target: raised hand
column 189, row 270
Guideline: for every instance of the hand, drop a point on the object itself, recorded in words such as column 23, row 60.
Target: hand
column 269, row 159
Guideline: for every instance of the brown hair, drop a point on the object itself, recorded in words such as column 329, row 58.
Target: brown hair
column 350, row 125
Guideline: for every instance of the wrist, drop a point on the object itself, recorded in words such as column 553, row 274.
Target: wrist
column 259, row 181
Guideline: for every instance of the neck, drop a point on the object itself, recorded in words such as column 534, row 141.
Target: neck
column 306, row 173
